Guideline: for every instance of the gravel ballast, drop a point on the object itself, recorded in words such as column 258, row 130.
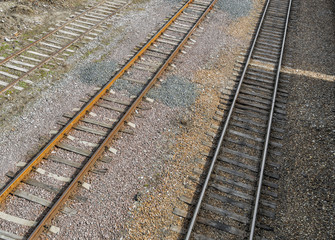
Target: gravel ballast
column 24, row 131
column 144, row 182
column 175, row 92
column 135, row 198
column 208, row 65
column 307, row 194
column 237, row 8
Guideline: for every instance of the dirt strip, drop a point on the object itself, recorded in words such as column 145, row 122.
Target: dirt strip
column 306, row 209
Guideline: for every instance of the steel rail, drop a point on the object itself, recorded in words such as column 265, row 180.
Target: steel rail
column 266, row 144
column 10, row 85
column 204, row 188
column 52, row 211
column 47, row 35
column 44, row 152
column 98, row 152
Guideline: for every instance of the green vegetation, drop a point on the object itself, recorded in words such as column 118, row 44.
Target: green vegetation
column 140, row 1
column 22, row 84
column 4, row 46
column 43, row 73
column 4, row 49
column 9, row 92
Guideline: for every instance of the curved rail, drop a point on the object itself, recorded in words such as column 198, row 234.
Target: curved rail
column 52, row 211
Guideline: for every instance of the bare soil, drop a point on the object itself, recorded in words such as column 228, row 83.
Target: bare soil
column 18, row 17
column 306, row 202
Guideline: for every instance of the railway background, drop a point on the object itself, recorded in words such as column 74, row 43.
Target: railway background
column 150, row 186
column 140, row 167
column 27, row 118
column 306, row 209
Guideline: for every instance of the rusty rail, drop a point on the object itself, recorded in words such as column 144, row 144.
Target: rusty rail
column 10, row 85
column 74, row 121
column 46, row 35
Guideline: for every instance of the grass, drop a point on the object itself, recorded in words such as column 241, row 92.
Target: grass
column 4, row 46
column 34, row 32
column 140, row 1
column 9, row 92
column 22, row 84
column 88, row 53
column 43, row 73
column 5, row 49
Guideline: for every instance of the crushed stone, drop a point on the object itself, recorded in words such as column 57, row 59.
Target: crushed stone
column 129, row 87
column 147, row 175
column 27, row 119
column 208, row 65
column 307, row 196
column 97, row 73
column 175, row 92
column 236, row 8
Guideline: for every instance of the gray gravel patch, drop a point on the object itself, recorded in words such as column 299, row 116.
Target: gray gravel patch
column 124, row 85
column 175, row 92
column 97, row 73
column 236, row 8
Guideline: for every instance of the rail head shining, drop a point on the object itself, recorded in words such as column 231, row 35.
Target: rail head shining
column 219, row 145
column 266, row 143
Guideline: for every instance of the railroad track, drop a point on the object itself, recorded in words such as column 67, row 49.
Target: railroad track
column 38, row 191
column 238, row 191
column 55, row 45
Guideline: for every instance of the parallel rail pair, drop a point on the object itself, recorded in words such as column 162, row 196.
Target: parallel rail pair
column 54, row 45
column 140, row 71
column 239, row 190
